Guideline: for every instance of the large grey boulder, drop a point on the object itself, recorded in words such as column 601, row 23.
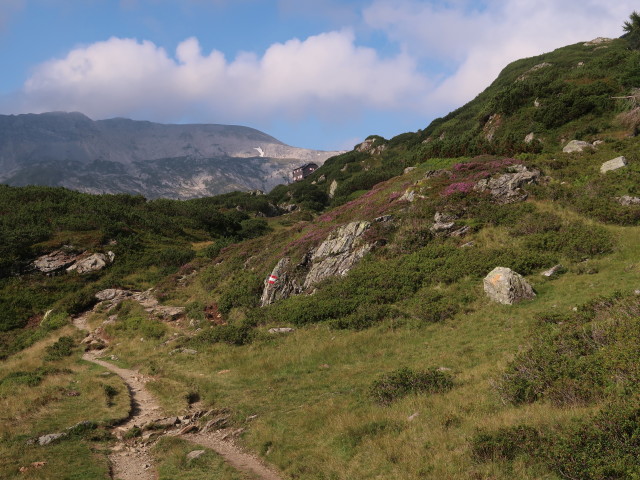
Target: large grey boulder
column 615, row 164
column 507, row 287
column 336, row 255
column 507, row 188
column 342, row 249
column 577, row 146
column 280, row 284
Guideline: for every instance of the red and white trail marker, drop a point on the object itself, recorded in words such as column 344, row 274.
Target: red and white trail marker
column 272, row 279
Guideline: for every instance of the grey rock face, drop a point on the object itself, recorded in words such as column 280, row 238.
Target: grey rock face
column 506, row 188
column 372, row 146
column 280, row 284
column 340, row 251
column 576, row 146
column 507, row 287
column 615, row 164
column 195, row 454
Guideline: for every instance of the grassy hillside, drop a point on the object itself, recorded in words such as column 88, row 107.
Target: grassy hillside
column 402, row 369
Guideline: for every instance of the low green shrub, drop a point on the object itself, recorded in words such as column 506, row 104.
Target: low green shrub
column 32, row 378
column 231, row 334
column 405, row 381
column 604, row 447
column 579, row 358
column 63, row 347
column 505, row 443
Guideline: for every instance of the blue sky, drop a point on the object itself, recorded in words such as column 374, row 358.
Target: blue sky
column 318, row 74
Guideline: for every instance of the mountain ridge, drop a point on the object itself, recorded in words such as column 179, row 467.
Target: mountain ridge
column 128, row 156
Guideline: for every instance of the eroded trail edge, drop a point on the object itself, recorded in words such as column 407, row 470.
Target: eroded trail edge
column 133, row 460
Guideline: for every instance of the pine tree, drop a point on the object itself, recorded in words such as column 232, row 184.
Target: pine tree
column 632, row 29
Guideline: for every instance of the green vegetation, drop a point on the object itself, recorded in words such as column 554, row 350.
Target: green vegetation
column 632, row 29
column 400, row 369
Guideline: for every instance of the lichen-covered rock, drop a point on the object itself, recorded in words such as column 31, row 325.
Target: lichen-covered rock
column 56, row 260
column 374, row 146
column 339, row 252
column 280, row 284
column 506, row 188
column 332, row 188
column 342, row 249
column 507, row 287
column 92, row 263
column 577, row 146
column 628, row 200
column 597, row 41
column 615, row 164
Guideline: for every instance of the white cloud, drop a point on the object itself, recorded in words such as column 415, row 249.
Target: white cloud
column 326, row 74
column 476, row 41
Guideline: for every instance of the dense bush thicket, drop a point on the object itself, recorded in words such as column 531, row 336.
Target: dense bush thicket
column 599, row 447
column 151, row 239
column 579, row 358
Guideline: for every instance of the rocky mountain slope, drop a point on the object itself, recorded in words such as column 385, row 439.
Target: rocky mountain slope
column 400, row 314
column 155, row 160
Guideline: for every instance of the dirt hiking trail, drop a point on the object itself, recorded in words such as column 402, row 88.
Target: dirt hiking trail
column 133, row 460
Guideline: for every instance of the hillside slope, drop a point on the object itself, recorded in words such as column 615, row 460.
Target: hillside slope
column 151, row 159
column 351, row 335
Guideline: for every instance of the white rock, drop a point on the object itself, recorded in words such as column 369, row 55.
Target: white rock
column 615, row 164
column 576, row 146
column 507, row 287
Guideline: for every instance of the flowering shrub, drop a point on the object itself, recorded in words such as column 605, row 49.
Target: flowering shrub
column 460, row 187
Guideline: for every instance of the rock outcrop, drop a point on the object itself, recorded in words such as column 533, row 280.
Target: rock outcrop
column 92, row 263
column 597, row 41
column 55, row 261
column 577, row 146
column 507, row 287
column 506, row 188
column 332, row 188
column 336, row 255
column 280, row 284
column 374, row 146
column 628, row 200
column 113, row 296
column 615, row 164
column 66, row 258
column 445, row 225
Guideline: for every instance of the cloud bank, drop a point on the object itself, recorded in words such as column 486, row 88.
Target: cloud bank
column 321, row 74
column 330, row 77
